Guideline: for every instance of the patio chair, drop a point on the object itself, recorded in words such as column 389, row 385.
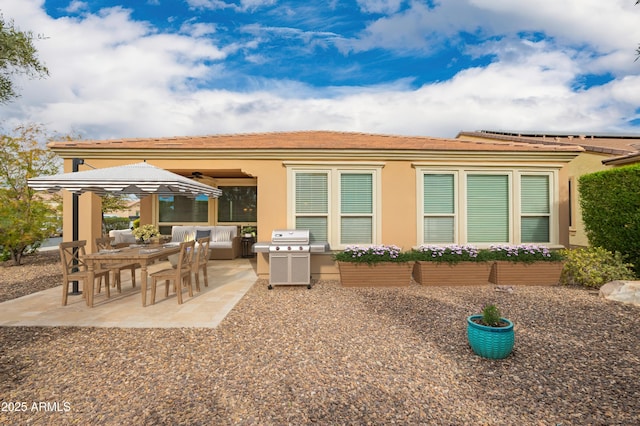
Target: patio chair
column 105, row 243
column 75, row 269
column 201, row 258
column 179, row 275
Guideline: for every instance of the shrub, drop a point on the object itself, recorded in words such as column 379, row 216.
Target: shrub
column 111, row 223
column 611, row 210
column 593, row 267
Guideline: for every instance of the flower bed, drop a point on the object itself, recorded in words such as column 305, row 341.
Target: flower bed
column 526, row 264
column 524, row 253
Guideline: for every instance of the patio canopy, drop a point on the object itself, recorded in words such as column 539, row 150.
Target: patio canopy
column 139, row 179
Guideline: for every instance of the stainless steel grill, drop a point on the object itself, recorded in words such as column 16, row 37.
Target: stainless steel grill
column 290, row 256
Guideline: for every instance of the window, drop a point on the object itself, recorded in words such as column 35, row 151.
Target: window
column 535, row 210
column 572, row 210
column 439, row 220
column 485, row 206
column 356, row 208
column 338, row 205
column 238, row 204
column 177, row 208
column 312, row 204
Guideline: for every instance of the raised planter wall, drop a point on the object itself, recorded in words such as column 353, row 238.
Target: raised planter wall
column 384, row 274
column 455, row 274
column 518, row 273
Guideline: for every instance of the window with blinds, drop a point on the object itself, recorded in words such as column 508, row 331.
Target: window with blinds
column 336, row 205
column 312, row 204
column 535, row 209
column 484, row 207
column 356, row 208
column 488, row 208
column 439, row 208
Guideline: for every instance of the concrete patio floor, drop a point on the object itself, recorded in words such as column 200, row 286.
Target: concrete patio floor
column 229, row 280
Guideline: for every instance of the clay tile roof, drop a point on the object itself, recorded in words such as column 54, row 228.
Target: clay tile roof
column 311, row 140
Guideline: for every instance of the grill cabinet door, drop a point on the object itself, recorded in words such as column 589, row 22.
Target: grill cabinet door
column 278, row 268
column 300, row 268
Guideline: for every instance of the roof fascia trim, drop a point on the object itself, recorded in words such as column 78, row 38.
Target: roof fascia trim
column 322, row 154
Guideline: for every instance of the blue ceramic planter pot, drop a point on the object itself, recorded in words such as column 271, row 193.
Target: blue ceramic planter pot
column 490, row 342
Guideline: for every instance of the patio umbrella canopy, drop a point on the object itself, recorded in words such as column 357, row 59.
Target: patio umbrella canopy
column 139, row 179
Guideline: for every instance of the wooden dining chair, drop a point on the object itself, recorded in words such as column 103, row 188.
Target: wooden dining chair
column 180, row 275
column 105, row 243
column 200, row 262
column 75, row 269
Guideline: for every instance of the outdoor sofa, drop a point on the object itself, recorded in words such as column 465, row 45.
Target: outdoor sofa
column 225, row 241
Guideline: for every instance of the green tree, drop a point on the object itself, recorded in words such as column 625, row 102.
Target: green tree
column 18, row 56
column 114, row 203
column 26, row 218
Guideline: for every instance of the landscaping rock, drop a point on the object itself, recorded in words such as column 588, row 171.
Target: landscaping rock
column 622, row 291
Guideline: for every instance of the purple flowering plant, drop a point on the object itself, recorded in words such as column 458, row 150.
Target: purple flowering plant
column 372, row 254
column 451, row 253
column 525, row 253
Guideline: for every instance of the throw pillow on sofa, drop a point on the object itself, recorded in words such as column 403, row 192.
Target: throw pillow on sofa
column 223, row 235
column 201, row 233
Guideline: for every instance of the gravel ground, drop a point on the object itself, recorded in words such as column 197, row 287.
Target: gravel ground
column 334, row 355
column 38, row 271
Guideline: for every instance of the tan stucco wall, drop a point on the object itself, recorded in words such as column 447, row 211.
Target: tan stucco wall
column 399, row 205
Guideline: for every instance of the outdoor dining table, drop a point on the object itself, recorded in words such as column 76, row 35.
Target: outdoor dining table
column 143, row 255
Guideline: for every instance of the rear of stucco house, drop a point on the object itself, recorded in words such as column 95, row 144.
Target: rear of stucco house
column 349, row 188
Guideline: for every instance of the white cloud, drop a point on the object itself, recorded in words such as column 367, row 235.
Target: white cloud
column 77, row 6
column 608, row 28
column 380, row 6
column 409, row 30
column 198, row 29
column 245, row 5
column 112, row 76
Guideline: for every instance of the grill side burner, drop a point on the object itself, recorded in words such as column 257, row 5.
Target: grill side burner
column 290, row 256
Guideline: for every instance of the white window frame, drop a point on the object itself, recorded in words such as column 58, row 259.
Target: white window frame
column 420, row 203
column 553, row 214
column 464, row 229
column 515, row 205
column 334, row 172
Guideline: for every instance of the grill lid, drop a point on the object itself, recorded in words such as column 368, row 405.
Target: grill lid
column 290, row 236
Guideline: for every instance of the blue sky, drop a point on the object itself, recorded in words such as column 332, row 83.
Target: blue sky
column 153, row 68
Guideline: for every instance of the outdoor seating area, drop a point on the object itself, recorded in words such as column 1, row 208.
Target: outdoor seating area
column 107, row 263
column 228, row 282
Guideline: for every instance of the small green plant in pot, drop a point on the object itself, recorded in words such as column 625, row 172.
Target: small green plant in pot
column 489, row 334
